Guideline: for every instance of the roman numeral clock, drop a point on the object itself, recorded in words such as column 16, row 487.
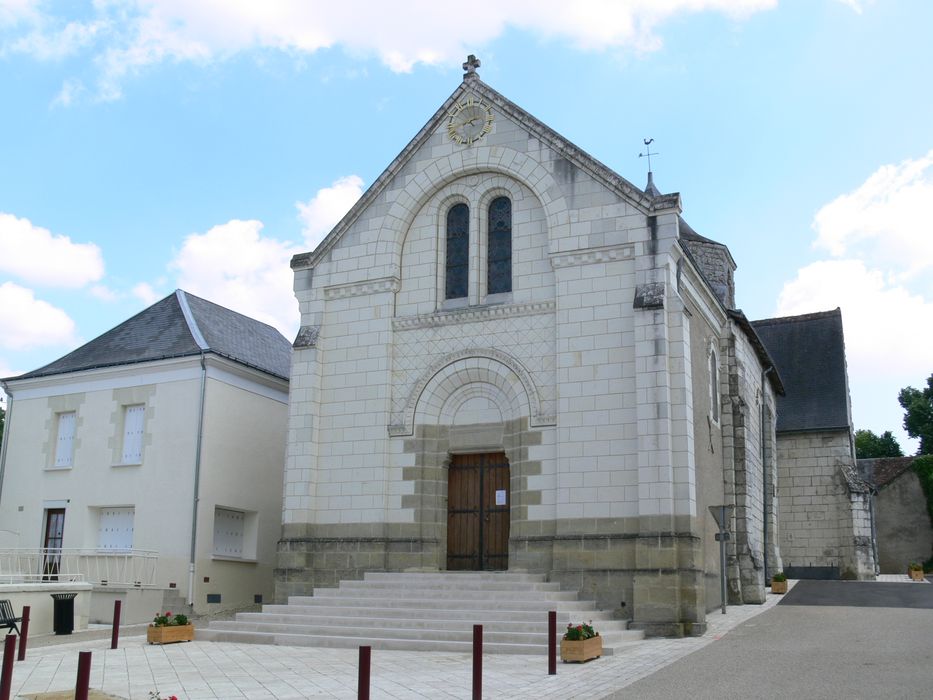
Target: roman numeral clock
column 469, row 121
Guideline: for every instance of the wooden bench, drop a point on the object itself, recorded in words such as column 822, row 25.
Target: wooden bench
column 8, row 618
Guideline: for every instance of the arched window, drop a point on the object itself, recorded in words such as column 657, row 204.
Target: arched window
column 458, row 251
column 713, row 386
column 499, row 259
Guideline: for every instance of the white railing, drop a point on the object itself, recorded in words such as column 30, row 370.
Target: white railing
column 130, row 567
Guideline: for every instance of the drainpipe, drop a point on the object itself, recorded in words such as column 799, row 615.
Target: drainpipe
column 6, row 435
column 197, row 483
column 765, row 371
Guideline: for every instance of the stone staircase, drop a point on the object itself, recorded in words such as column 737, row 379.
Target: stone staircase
column 425, row 612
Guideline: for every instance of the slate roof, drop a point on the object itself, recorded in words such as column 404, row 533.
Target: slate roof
column 180, row 325
column 810, row 354
column 882, row 471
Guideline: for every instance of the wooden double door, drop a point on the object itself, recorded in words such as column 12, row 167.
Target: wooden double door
column 478, row 512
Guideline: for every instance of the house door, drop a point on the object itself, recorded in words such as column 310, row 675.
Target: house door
column 478, row 512
column 52, row 543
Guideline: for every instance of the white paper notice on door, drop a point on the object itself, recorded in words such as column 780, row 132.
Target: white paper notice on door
column 500, row 497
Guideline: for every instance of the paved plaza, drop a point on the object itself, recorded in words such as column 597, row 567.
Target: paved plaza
column 227, row 671
column 198, row 670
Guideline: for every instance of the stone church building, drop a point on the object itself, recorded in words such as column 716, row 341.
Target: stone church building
column 512, row 358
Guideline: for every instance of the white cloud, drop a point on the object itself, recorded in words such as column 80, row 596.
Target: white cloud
column 235, row 266
column 145, row 293
column 103, row 293
column 37, row 256
column 14, row 11
column 885, row 220
column 128, row 37
column 27, row 322
column 52, row 44
column 322, row 212
column 71, row 90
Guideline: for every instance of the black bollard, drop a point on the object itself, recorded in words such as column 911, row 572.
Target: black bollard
column 84, row 675
column 477, row 662
column 552, row 643
column 362, row 691
column 24, row 634
column 6, row 675
column 115, row 635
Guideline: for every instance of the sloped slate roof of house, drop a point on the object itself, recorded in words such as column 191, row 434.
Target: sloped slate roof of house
column 180, row 325
column 881, row 471
column 810, row 354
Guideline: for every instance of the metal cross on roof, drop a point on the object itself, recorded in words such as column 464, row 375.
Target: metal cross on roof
column 471, row 64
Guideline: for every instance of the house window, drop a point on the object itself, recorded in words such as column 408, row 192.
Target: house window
column 228, row 532
column 115, row 528
column 713, row 386
column 64, row 445
column 458, row 251
column 499, row 260
column 133, row 424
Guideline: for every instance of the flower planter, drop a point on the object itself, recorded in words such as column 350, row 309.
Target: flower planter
column 168, row 634
column 581, row 650
column 915, row 574
column 779, row 586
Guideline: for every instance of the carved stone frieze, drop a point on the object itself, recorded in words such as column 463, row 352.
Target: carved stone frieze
column 593, row 255
column 446, row 318
column 356, row 289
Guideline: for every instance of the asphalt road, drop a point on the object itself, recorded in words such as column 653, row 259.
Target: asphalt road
column 831, row 644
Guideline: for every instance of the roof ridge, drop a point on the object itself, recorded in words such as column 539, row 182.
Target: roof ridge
column 192, row 322
column 801, row 317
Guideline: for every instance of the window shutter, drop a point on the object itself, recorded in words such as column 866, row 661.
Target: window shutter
column 64, row 448
column 133, row 434
column 116, row 528
column 228, row 532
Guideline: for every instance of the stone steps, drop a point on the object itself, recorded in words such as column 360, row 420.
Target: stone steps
column 426, row 612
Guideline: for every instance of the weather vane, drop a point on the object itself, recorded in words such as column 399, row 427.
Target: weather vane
column 647, row 154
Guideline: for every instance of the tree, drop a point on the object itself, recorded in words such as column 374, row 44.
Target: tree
column 868, row 445
column 918, row 414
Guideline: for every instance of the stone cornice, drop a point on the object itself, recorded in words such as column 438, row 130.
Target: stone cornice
column 468, row 315
column 358, row 289
column 593, row 255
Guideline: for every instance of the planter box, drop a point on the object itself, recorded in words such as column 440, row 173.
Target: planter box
column 169, row 634
column 779, row 586
column 915, row 574
column 582, row 650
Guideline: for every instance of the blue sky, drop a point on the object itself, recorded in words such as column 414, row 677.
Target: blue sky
column 199, row 144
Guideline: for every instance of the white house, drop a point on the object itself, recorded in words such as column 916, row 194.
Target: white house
column 151, row 459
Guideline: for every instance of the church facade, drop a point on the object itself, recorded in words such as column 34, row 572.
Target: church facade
column 512, row 358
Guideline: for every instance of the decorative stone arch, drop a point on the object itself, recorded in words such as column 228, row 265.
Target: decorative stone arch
column 483, row 159
column 441, row 388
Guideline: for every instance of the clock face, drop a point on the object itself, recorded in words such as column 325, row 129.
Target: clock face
column 469, row 121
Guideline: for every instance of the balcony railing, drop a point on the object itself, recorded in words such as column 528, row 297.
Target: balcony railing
column 129, row 567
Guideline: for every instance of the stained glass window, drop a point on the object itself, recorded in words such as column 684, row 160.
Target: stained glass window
column 499, row 261
column 458, row 251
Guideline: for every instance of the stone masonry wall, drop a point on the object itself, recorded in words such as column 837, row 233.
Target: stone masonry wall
column 817, row 527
